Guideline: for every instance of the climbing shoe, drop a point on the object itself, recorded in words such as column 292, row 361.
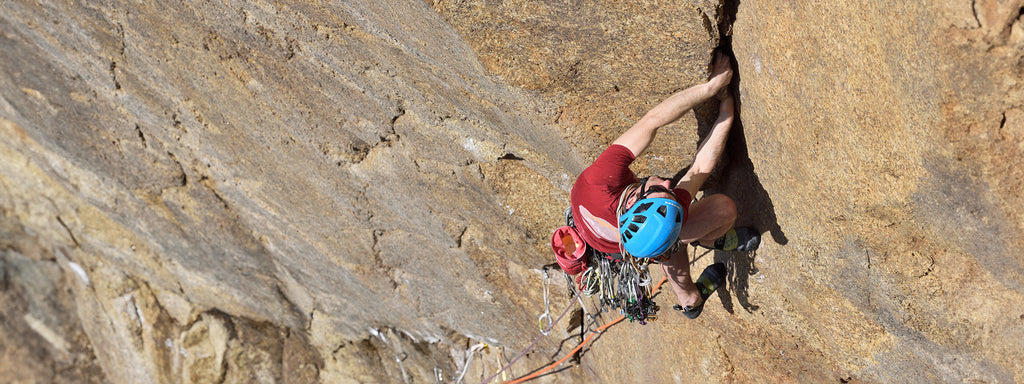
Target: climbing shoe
column 709, row 281
column 741, row 239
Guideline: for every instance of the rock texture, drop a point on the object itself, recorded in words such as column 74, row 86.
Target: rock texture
column 318, row 168
column 362, row 191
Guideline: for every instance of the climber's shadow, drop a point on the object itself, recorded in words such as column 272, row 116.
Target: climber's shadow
column 735, row 177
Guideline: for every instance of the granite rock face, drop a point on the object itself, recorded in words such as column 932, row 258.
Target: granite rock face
column 362, row 191
column 315, row 168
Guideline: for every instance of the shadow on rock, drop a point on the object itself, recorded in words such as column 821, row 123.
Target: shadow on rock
column 736, row 178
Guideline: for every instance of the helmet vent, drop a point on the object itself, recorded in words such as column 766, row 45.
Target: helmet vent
column 633, row 227
column 679, row 218
column 663, row 211
column 639, row 219
column 644, row 207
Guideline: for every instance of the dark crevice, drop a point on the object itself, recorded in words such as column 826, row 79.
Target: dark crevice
column 142, row 136
column 398, row 114
column 725, row 21
column 120, row 36
column 736, row 177
column 206, row 182
column 183, row 179
column 458, row 239
column 113, row 75
column 292, row 305
column 974, row 11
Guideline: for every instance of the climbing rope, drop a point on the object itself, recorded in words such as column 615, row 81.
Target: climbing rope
column 578, row 347
column 534, row 343
column 592, row 319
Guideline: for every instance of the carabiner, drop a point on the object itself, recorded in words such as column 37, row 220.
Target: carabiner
column 547, row 308
column 540, row 323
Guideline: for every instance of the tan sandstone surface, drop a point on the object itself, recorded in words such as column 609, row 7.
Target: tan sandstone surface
column 362, row 191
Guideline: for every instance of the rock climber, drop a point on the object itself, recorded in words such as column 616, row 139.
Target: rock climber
column 651, row 216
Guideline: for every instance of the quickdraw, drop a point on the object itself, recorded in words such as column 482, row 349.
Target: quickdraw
column 469, row 358
column 635, row 287
column 400, row 358
column 622, row 280
column 589, row 326
column 623, row 284
column 544, row 330
column 590, row 281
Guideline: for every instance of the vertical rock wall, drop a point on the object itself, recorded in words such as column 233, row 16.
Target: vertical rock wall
column 362, row 191
column 878, row 151
column 906, row 218
column 235, row 172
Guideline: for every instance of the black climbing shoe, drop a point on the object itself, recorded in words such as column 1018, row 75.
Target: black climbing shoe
column 741, row 239
column 709, row 281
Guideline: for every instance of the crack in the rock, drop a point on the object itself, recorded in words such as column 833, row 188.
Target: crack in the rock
column 206, row 182
column 728, row 361
column 378, row 260
column 113, row 75
column 974, row 11
column 458, row 239
column 183, row 180
column 142, row 136
column 68, row 229
column 294, row 306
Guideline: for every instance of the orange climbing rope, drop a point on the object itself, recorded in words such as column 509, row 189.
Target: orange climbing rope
column 578, row 347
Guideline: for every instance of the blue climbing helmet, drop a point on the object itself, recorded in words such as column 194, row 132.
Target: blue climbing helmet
column 650, row 226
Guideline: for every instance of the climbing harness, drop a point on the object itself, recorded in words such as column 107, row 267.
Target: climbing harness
column 622, row 280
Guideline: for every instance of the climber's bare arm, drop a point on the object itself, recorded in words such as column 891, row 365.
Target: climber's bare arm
column 710, row 150
column 641, row 134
